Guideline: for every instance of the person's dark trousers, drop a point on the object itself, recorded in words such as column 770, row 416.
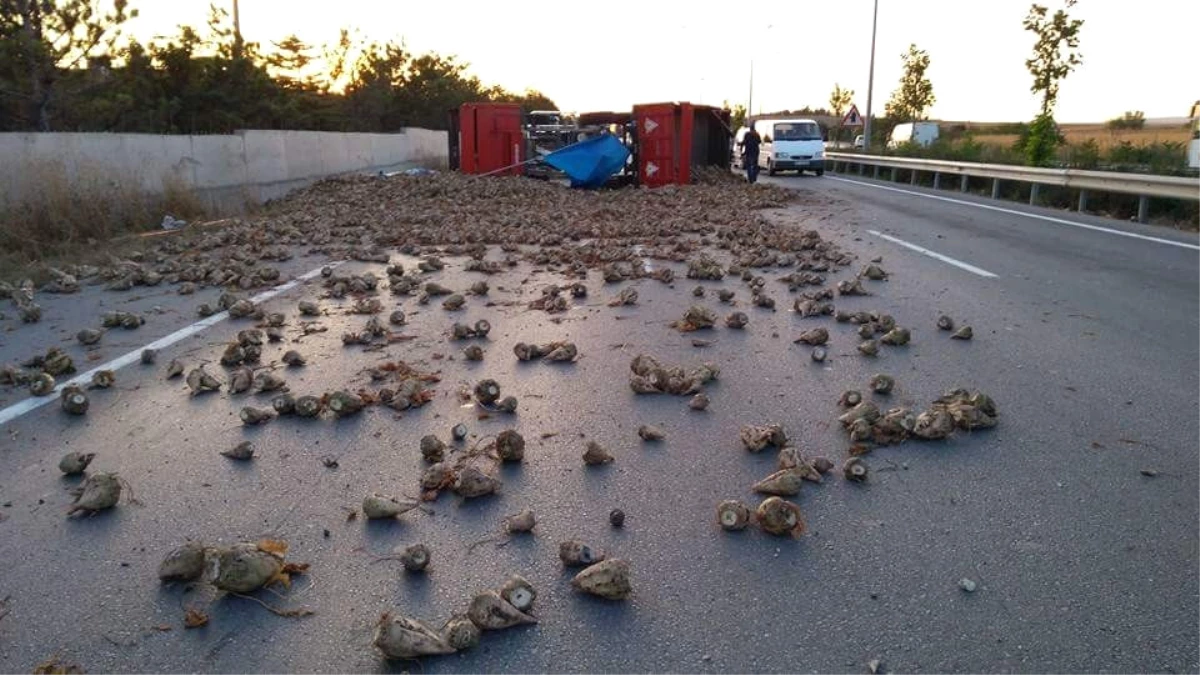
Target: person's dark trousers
column 752, row 169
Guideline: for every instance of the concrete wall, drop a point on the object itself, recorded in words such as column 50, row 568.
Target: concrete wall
column 224, row 172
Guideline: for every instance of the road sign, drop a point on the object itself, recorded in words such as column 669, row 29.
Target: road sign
column 852, row 118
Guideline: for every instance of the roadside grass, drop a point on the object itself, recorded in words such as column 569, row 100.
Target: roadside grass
column 79, row 215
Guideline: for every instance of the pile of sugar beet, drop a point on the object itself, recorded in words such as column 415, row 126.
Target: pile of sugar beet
column 716, row 230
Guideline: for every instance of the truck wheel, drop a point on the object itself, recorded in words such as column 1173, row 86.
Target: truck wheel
column 820, row 172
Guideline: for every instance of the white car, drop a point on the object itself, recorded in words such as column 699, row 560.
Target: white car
column 859, row 142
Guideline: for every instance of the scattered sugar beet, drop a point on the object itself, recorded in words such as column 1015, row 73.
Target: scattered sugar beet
column 471, row 482
column 460, row 632
column 855, row 469
column 574, row 553
column 784, row 483
column 649, row 432
column 240, row 380
column 89, row 336
column 697, row 317
column 415, row 558
column 251, row 416
column 791, row 458
column 737, row 320
column 596, row 454
column 103, row 379
column 756, row 438
column 616, row 518
column 42, row 385
column 510, row 446
column 882, row 384
column 896, row 337
column 200, row 381
column 99, row 491
column 344, row 404
column 733, row 515
column 75, row 463
column 293, row 358
column 490, row 611
column 185, row 563
column 487, row 392
column 518, row 592
column 815, row 337
column 627, row 296
column 309, row 406
column 520, row 522
column 401, row 637
column 851, row 287
column 873, row 272
column 242, row 451
column 778, row 516
column 266, row 381
column 607, row 579
column 433, row 449
column 377, row 506
column 554, row 351
column 74, row 401
column 284, row 404
column 869, row 347
column 649, row 376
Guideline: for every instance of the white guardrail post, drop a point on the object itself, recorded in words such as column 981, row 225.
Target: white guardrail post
column 1144, row 186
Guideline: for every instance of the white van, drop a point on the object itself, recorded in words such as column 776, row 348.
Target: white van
column 920, row 133
column 791, row 145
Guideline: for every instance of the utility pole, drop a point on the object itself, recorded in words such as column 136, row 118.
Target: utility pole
column 237, row 31
column 750, row 102
column 870, row 83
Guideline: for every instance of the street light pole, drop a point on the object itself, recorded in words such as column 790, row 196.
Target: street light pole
column 750, row 102
column 870, row 83
column 237, row 31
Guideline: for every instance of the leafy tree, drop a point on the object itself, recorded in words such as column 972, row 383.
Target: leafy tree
column 1055, row 55
column 737, row 115
column 839, row 101
column 210, row 81
column 1056, row 52
column 40, row 40
column 1132, row 119
column 914, row 95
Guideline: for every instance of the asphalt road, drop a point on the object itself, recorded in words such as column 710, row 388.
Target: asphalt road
column 1087, row 341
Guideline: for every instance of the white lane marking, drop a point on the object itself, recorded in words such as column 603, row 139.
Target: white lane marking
column 1014, row 212
column 32, row 403
column 944, row 258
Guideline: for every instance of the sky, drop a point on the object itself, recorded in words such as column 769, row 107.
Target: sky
column 609, row 56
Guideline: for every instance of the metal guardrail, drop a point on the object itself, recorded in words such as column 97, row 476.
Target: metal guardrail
column 1142, row 185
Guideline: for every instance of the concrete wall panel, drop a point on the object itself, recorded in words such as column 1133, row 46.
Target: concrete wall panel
column 224, row 171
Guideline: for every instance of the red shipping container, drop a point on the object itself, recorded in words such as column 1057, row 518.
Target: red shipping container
column 659, row 160
column 490, row 138
column 674, row 137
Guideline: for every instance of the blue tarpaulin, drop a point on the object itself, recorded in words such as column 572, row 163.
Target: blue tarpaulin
column 590, row 163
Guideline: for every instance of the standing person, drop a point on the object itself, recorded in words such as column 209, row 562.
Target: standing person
column 750, row 143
